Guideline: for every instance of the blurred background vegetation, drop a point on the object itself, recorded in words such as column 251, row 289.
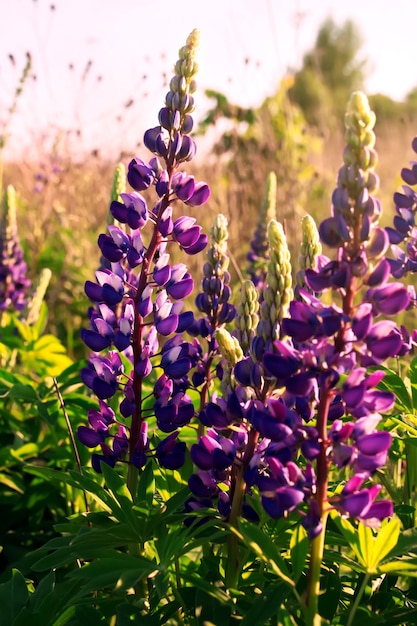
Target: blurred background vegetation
column 297, row 133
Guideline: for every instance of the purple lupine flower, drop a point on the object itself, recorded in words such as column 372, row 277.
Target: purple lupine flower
column 138, row 294
column 14, row 283
column 303, row 395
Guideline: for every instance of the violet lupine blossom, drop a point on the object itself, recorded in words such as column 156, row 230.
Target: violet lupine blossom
column 258, row 254
column 213, row 303
column 403, row 234
column 138, row 317
column 304, row 397
column 14, row 283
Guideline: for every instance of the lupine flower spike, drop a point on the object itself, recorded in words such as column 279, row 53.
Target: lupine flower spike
column 258, row 254
column 310, row 251
column 137, row 298
column 213, row 303
column 35, row 302
column 14, row 283
column 308, row 369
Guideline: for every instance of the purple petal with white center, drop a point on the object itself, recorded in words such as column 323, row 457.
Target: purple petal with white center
column 189, row 237
column 110, row 250
column 95, row 341
column 178, row 369
column 161, row 275
column 181, row 289
column 168, row 325
column 184, row 189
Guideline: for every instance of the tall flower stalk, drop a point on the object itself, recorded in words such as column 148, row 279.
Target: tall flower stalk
column 301, row 399
column 14, row 283
column 137, row 299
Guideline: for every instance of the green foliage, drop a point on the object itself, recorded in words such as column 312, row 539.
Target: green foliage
column 330, row 72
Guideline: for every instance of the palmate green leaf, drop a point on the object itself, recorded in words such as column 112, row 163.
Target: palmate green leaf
column 118, row 573
column 401, row 567
column 385, row 540
column 406, row 544
column 372, row 551
column 48, row 352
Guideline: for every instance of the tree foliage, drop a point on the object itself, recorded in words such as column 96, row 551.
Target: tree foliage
column 331, row 70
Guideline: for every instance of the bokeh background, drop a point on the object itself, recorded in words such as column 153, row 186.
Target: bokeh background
column 81, row 81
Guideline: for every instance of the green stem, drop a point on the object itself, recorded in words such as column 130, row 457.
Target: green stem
column 237, row 493
column 317, row 544
column 316, row 557
column 357, row 600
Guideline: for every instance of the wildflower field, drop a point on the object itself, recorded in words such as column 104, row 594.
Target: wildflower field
column 208, row 390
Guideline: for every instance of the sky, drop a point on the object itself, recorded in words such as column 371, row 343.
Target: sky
column 102, row 67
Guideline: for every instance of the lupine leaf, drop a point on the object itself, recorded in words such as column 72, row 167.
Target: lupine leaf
column 44, row 588
column 146, row 486
column 393, row 382
column 265, row 549
column 412, row 374
column 366, row 547
column 385, row 540
column 299, row 546
column 13, row 597
column 267, row 604
column 122, row 572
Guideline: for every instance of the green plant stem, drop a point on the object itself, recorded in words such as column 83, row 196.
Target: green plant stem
column 137, row 384
column 238, row 486
column 317, row 544
column 357, row 600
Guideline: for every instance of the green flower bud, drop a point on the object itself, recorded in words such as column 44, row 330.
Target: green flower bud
column 119, row 182
column 35, row 303
column 247, row 315
column 278, row 292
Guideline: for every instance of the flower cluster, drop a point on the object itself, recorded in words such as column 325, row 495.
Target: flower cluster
column 14, row 283
column 138, row 314
column 258, row 254
column 213, row 303
column 302, row 392
column 404, row 230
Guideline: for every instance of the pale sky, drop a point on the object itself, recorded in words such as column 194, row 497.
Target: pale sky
column 246, row 48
